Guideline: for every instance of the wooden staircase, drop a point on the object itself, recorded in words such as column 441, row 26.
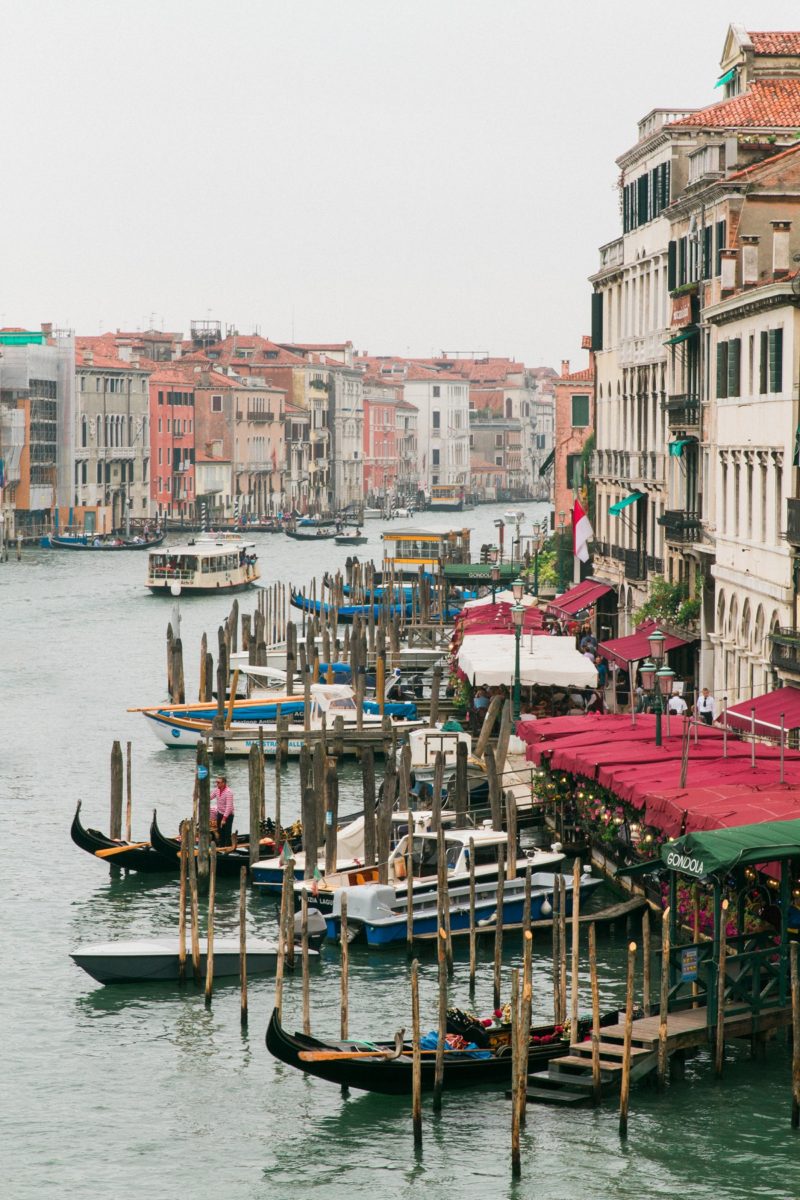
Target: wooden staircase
column 568, row 1080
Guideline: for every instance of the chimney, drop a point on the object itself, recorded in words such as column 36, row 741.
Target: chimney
column 781, row 232
column 47, row 328
column 728, row 281
column 565, row 366
column 749, row 260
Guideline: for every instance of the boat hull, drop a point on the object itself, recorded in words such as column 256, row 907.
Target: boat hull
column 156, row 960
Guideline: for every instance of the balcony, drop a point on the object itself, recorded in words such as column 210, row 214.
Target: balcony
column 612, row 255
column 635, row 564
column 683, row 411
column 680, row 527
column 636, row 351
column 260, row 418
column 785, row 650
column 792, row 534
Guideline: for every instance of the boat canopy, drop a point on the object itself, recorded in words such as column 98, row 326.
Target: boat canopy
column 719, row 851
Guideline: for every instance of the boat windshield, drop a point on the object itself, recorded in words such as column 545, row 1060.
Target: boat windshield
column 425, row 856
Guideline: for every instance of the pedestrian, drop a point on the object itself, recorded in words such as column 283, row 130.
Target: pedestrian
column 602, row 670
column 677, row 705
column 222, row 810
column 705, row 707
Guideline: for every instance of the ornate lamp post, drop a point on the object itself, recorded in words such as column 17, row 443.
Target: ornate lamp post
column 518, row 613
column 495, row 580
column 657, row 681
column 562, row 521
column 538, row 545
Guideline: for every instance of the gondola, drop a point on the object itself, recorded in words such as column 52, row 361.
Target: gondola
column 348, row 613
column 130, row 856
column 377, row 1067
column 230, row 859
column 86, row 541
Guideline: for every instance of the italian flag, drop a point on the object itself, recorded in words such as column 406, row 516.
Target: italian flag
column 582, row 533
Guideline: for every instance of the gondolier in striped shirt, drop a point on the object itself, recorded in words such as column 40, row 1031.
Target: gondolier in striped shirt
column 222, row 810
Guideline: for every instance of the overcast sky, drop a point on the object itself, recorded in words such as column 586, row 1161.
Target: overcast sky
column 418, row 176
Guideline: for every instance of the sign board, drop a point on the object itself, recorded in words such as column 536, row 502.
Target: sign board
column 681, row 310
column 689, row 964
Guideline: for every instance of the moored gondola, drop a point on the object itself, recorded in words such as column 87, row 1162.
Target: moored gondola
column 230, row 859
column 130, row 856
column 386, row 1067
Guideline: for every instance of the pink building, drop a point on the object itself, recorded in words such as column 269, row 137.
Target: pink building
column 574, row 410
column 381, row 459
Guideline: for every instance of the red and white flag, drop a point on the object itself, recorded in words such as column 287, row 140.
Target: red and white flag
column 582, row 533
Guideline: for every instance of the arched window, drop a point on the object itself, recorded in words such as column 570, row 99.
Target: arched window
column 509, row 406
column 97, row 430
column 84, row 431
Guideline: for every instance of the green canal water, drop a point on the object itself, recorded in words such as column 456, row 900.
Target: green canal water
column 108, row 1092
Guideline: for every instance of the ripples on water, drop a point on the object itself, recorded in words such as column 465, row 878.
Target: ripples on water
column 108, row 1091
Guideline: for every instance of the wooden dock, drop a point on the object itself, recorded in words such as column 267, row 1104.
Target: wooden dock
column 603, row 916
column 568, row 1080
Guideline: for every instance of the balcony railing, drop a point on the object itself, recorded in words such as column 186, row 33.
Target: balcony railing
column 793, row 522
column 260, row 418
column 635, row 562
column 683, row 411
column 785, row 650
column 680, row 526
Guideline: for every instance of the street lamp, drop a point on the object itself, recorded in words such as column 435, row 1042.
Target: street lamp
column 657, row 681
column 517, row 590
column 562, row 521
column 495, row 580
column 538, row 545
column 518, row 613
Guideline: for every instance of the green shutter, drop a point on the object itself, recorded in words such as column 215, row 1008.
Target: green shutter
column 763, row 364
column 597, row 320
column 672, row 266
column 722, row 235
column 722, row 370
column 775, row 360
column 681, row 261
column 580, row 412
column 707, row 251
column 734, row 359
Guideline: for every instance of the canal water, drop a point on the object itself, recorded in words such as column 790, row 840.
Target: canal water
column 142, row 1091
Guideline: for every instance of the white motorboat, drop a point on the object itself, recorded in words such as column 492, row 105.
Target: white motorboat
column 155, row 960
column 426, row 743
column 182, row 726
column 425, row 860
column 209, row 563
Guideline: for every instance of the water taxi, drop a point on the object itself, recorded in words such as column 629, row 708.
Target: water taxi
column 221, row 562
column 448, row 497
column 406, row 550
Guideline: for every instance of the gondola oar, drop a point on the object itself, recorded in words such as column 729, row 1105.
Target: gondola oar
column 120, row 849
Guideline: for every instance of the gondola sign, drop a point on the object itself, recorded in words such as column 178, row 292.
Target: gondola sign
column 202, row 772
column 689, row 965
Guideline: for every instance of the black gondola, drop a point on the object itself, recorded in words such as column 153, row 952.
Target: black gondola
column 130, row 856
column 319, row 535
column 230, row 860
column 87, row 542
column 391, row 1075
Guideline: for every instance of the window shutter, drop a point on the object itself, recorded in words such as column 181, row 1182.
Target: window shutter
column 722, row 234
column 734, row 359
column 672, row 266
column 763, row 363
column 775, row 360
column 597, row 320
column 681, row 261
column 722, row 370
column 707, row 250
column 643, row 206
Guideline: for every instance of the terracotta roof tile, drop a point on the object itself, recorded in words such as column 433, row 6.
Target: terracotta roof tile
column 768, row 104
column 773, row 42
column 584, row 376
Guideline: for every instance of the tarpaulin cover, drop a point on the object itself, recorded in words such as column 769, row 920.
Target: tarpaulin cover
column 768, row 710
column 497, row 618
column 635, row 647
column 583, row 595
column 545, row 661
column 719, row 850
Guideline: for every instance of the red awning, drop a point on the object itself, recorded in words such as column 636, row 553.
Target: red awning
column 635, row 647
column 768, row 710
column 583, row 595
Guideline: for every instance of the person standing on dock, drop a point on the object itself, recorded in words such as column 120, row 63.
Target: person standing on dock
column 705, row 707
column 222, row 808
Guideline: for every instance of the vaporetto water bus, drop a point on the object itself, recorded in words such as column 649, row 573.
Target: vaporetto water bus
column 222, row 562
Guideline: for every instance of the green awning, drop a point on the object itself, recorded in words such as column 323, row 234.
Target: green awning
column 726, row 78
column 617, row 508
column 720, row 850
column 683, row 336
column 466, row 573
column 676, row 447
column 547, row 464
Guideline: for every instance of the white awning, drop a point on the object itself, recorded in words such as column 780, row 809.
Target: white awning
column 543, row 660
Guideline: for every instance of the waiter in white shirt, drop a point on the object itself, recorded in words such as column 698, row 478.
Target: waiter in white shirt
column 705, row 707
column 677, row 705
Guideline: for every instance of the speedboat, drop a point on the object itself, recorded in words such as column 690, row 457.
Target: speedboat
column 376, row 913
column 425, row 865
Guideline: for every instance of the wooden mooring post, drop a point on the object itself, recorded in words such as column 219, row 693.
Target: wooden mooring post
column 115, row 822
column 344, row 947
column 576, row 939
column 212, row 892
column 498, row 926
column 663, row 1004
column 243, row 946
column 416, row 1059
column 596, row 1086
column 719, row 1049
column 193, row 902
column 128, row 791
column 304, row 957
column 625, row 1088
column 794, row 980
column 184, row 832
column 472, row 934
column 516, row 1017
